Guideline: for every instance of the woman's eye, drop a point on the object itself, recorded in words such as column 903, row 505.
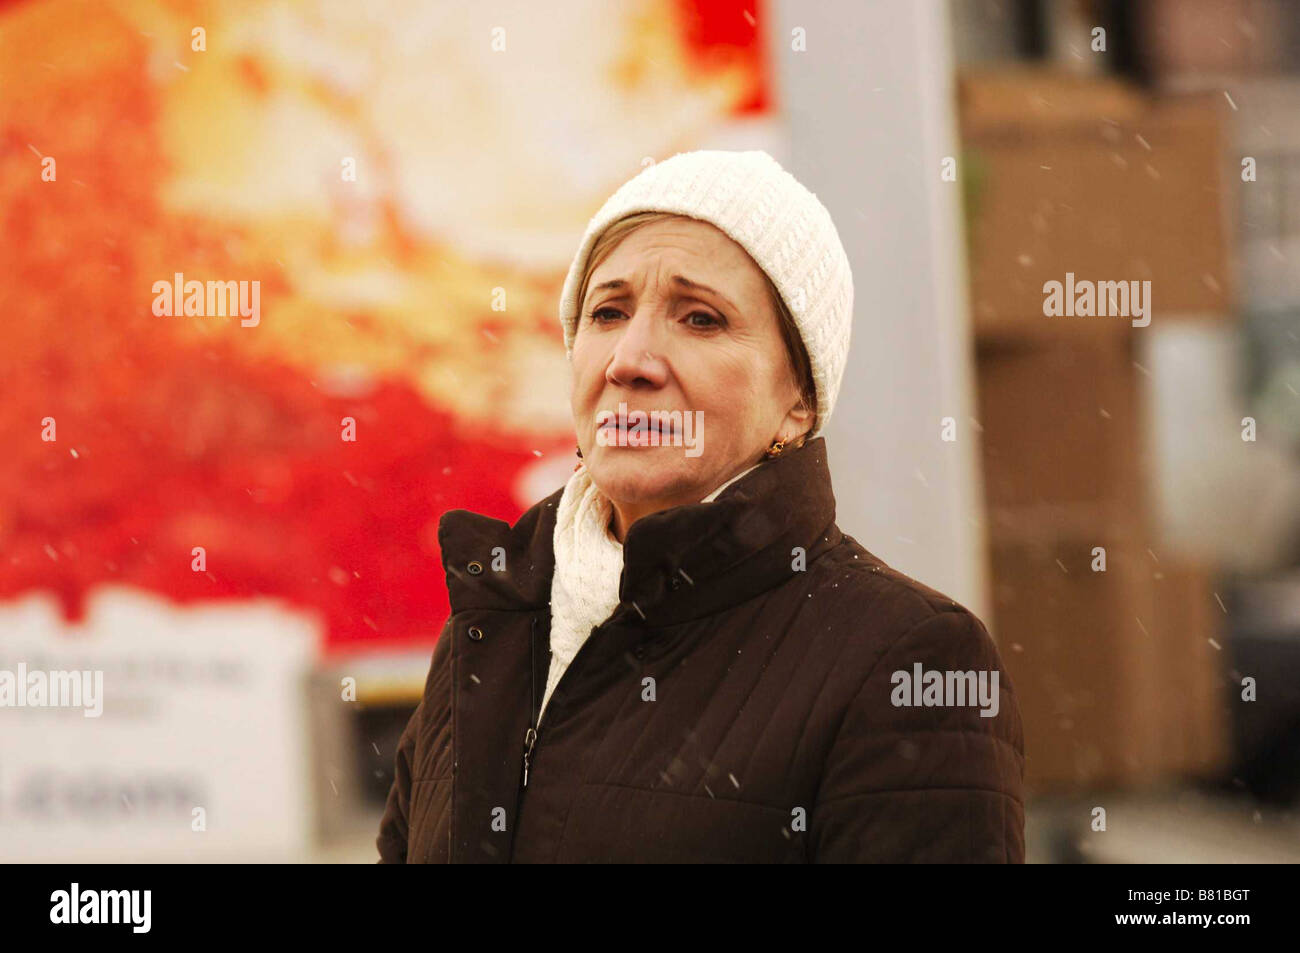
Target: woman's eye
column 696, row 319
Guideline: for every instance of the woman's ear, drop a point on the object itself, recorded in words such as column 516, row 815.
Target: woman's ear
column 798, row 421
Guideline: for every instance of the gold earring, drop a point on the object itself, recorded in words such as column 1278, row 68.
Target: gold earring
column 775, row 449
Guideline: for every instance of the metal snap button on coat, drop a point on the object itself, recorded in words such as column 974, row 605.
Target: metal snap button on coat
column 674, row 583
column 475, row 633
column 475, row 568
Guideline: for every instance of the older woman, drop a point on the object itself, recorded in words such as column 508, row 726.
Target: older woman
column 678, row 656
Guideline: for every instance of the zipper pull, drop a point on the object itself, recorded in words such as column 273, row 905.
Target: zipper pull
column 530, row 739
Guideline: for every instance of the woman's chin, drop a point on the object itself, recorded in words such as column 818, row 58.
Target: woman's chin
column 641, row 474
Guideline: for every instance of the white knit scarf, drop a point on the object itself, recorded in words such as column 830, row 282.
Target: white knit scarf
column 588, row 569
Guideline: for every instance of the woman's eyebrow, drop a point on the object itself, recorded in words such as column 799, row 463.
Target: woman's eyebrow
column 619, row 284
column 696, row 286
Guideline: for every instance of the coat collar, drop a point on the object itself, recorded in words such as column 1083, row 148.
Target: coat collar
column 679, row 564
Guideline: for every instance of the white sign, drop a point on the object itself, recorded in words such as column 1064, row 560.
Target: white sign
column 154, row 731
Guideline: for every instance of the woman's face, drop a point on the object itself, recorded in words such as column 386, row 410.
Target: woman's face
column 677, row 318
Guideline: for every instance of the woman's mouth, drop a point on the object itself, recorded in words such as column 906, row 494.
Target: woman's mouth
column 666, row 429
column 640, row 427
column 651, row 428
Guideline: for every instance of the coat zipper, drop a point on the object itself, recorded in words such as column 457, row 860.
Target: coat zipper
column 530, row 736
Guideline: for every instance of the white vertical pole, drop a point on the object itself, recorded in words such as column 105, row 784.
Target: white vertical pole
column 870, row 115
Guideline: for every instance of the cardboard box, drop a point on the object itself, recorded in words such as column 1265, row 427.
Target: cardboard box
column 1221, row 36
column 1118, row 684
column 1085, row 178
column 993, row 101
column 1061, row 428
column 1119, row 681
column 1191, row 687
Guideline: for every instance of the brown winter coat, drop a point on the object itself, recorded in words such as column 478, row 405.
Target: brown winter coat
column 737, row 706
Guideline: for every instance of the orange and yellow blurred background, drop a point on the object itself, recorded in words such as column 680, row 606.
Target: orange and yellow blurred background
column 408, row 207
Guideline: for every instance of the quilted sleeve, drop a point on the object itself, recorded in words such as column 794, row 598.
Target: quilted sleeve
column 393, row 827
column 914, row 777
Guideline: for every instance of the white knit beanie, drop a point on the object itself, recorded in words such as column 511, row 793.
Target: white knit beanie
column 765, row 210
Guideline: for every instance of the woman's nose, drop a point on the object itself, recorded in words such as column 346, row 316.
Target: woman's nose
column 638, row 354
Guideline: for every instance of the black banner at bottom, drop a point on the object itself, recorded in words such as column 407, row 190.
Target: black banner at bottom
column 239, row 902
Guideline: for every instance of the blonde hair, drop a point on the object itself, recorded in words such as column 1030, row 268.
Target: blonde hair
column 800, row 365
